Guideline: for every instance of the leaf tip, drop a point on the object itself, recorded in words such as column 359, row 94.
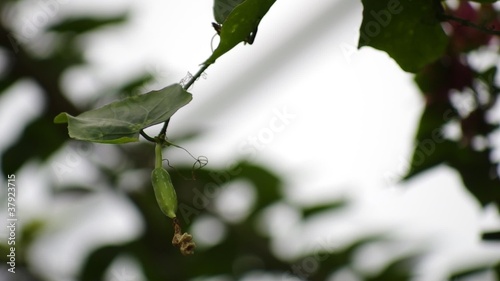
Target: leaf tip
column 61, row 118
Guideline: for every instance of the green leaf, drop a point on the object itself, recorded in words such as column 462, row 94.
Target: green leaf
column 121, row 121
column 239, row 24
column 407, row 30
column 222, row 9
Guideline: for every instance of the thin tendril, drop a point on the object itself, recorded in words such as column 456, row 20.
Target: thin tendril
column 212, row 43
column 200, row 161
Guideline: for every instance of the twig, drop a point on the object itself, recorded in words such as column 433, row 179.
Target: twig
column 464, row 22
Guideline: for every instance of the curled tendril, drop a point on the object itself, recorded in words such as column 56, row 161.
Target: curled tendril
column 186, row 78
column 200, row 161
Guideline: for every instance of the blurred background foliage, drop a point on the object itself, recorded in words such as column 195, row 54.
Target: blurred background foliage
column 239, row 247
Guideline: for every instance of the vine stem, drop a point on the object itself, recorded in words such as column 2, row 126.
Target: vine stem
column 193, row 79
column 158, row 159
column 196, row 76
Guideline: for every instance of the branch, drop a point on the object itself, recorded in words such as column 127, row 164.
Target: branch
column 464, row 22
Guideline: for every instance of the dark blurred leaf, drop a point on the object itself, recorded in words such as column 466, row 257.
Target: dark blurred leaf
column 10, row 73
column 313, row 210
column 131, row 88
column 429, row 154
column 497, row 271
column 431, row 124
column 39, row 140
column 329, row 260
column 488, row 77
column 23, row 273
column 267, row 184
column 42, row 137
column 85, row 24
column 242, row 242
column 399, row 270
column 475, row 124
column 198, row 195
column 26, row 235
column 469, row 273
column 478, row 174
column 96, row 264
column 4, row 251
column 431, row 147
column 5, row 84
column 30, row 232
column 491, row 236
column 73, row 191
column 402, row 28
column 437, row 79
column 153, row 249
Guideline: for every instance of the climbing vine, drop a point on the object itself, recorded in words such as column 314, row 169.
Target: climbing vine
column 430, row 38
column 123, row 121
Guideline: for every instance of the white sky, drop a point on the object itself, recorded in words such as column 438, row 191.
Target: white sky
column 352, row 118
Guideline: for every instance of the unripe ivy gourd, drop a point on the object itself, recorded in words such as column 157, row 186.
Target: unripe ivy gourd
column 163, row 187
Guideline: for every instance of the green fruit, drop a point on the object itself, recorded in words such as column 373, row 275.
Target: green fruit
column 163, row 187
column 164, row 192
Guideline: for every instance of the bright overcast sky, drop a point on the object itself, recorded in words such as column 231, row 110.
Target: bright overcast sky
column 302, row 100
